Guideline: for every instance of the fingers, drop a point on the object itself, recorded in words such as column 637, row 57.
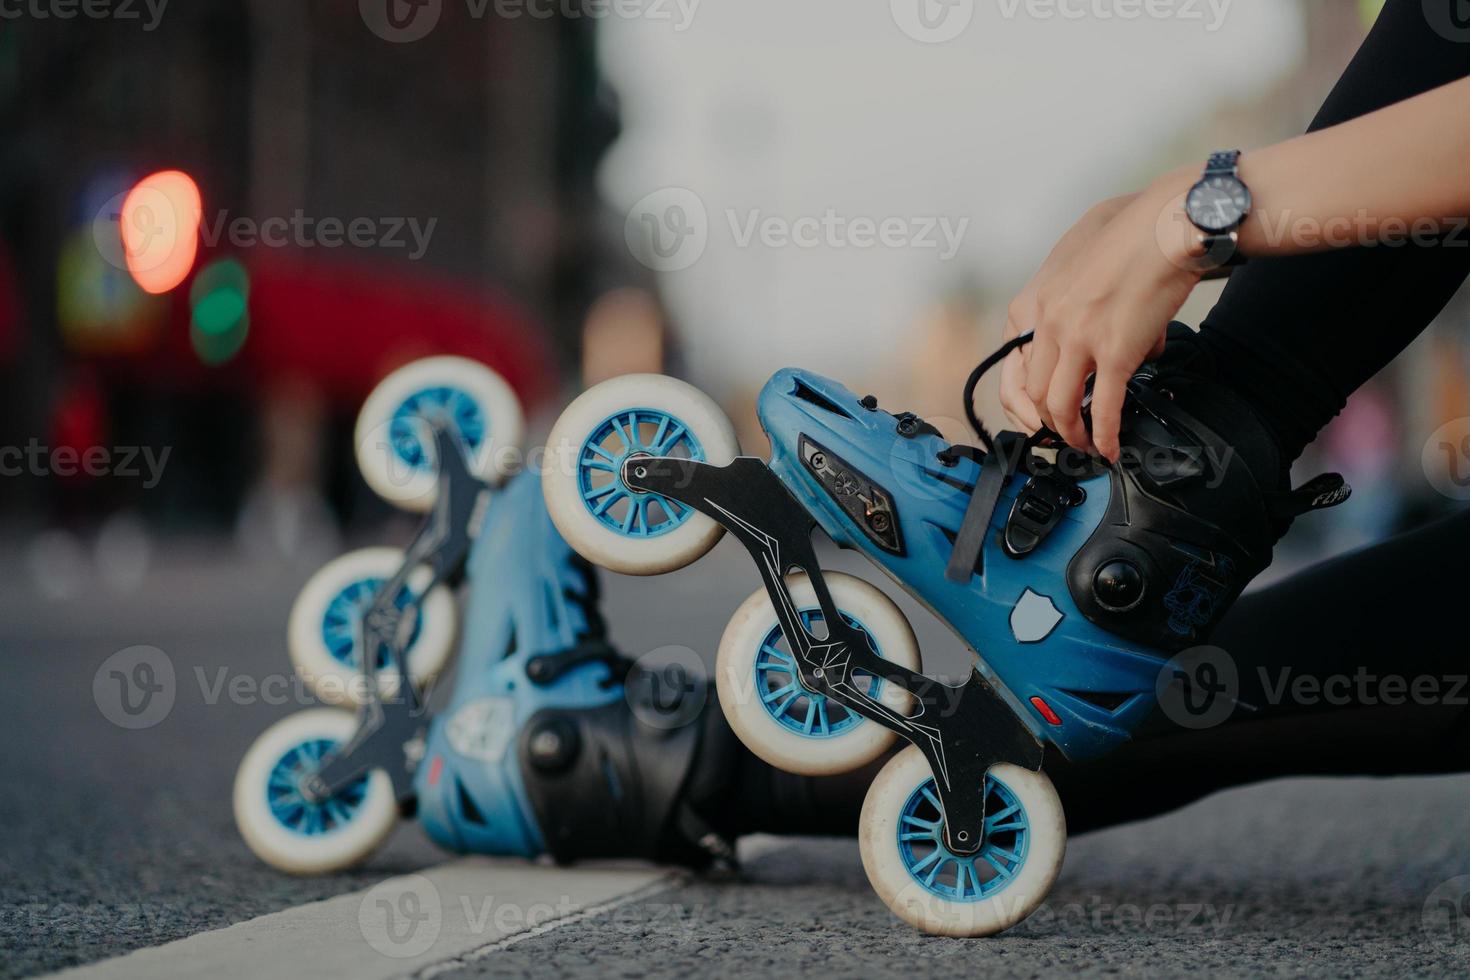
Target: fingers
column 1064, row 396
column 1107, row 405
column 1018, row 408
column 1043, row 362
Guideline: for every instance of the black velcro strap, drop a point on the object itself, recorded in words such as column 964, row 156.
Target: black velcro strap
column 1327, row 490
column 964, row 561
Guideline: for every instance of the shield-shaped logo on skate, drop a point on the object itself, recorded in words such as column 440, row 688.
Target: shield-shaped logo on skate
column 1034, row 617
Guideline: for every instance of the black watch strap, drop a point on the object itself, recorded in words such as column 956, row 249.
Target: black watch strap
column 1224, row 162
column 1222, row 253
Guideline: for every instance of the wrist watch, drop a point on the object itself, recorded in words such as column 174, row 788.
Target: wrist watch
column 1218, row 205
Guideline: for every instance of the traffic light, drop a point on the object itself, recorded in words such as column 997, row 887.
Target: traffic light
column 219, row 303
column 159, row 224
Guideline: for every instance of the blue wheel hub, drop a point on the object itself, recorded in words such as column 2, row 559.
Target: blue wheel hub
column 462, row 413
column 638, row 431
column 342, row 622
column 293, row 810
column 967, row 878
column 786, row 699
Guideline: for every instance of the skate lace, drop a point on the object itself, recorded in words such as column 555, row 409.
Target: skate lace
column 953, row 454
column 1012, row 451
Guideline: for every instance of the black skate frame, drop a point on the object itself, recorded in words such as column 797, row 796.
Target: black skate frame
column 963, row 731
column 390, row 733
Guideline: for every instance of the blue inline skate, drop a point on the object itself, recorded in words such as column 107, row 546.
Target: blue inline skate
column 541, row 748
column 1072, row 580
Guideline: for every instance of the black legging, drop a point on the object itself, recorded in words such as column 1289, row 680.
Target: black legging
column 1296, row 336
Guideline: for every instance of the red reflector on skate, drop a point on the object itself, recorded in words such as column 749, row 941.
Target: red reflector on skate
column 1046, row 712
column 435, row 768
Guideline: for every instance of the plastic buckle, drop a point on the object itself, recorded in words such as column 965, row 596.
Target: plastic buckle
column 1038, row 508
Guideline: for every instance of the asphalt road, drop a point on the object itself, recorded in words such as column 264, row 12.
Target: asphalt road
column 119, row 839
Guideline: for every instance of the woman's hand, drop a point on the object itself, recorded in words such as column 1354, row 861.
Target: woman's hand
column 1021, row 314
column 1099, row 305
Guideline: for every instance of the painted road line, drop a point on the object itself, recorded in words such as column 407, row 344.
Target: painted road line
column 458, row 962
column 451, row 913
column 750, row 848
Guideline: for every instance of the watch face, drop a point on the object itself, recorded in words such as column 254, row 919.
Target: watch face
column 1218, row 203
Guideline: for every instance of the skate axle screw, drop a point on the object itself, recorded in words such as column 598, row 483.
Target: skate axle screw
column 639, row 469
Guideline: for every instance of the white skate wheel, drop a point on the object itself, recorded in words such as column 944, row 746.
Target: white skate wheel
column 635, row 533
column 780, row 720
column 281, row 826
column 394, row 435
column 325, row 632
column 900, row 835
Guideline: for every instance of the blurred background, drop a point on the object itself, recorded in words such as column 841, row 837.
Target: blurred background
column 567, row 191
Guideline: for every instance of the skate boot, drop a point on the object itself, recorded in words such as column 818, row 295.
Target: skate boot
column 551, row 743
column 1072, row 580
column 548, row 744
column 319, row 790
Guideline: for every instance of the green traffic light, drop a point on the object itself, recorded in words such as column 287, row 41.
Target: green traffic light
column 219, row 311
column 220, row 303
